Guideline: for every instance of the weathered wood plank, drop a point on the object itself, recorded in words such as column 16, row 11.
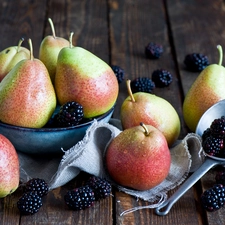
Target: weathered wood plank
column 22, row 19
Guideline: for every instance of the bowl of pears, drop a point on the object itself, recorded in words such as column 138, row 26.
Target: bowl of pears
column 48, row 103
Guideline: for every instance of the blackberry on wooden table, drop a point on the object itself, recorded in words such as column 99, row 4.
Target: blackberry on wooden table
column 29, row 203
column 213, row 198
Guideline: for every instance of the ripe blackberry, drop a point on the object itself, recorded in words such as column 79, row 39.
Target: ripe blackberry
column 119, row 72
column 38, row 186
column 101, row 187
column 213, row 146
column 220, row 177
column 29, row 203
column 206, row 134
column 217, row 127
column 196, row 62
column 70, row 114
column 80, row 198
column 142, row 84
column 213, row 198
column 153, row 50
column 161, row 78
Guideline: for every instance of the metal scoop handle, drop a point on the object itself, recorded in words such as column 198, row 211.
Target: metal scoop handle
column 165, row 207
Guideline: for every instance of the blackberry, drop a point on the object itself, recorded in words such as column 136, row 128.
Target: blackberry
column 142, row 84
column 162, row 78
column 39, row 186
column 70, row 114
column 29, row 203
column 80, row 198
column 206, row 134
column 217, row 127
column 119, row 72
column 196, row 62
column 220, row 177
column 101, row 187
column 213, row 146
column 213, row 198
column 153, row 50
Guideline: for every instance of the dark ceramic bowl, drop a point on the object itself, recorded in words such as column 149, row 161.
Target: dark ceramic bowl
column 48, row 140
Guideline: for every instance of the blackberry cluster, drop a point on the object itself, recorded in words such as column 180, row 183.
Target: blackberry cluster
column 80, row 198
column 70, row 114
column 37, row 185
column 84, row 197
column 153, row 50
column 31, row 200
column 142, row 84
column 162, row 78
column 213, row 198
column 29, row 203
column 119, row 72
column 196, row 62
column 101, row 187
column 213, row 138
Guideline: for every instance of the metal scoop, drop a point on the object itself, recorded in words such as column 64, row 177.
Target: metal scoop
column 214, row 112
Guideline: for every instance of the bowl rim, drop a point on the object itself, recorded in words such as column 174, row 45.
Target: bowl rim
column 52, row 129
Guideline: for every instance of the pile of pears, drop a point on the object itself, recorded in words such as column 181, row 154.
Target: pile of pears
column 31, row 88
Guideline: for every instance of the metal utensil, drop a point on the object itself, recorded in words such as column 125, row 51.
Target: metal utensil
column 214, row 112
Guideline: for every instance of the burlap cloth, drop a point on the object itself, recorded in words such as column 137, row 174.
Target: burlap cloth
column 88, row 156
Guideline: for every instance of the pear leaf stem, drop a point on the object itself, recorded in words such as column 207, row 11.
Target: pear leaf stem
column 219, row 47
column 130, row 91
column 146, row 131
column 52, row 27
column 71, row 39
column 31, row 49
column 19, row 44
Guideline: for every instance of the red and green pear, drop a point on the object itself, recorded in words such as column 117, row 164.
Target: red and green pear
column 152, row 110
column 138, row 157
column 9, row 167
column 206, row 90
column 49, row 50
column 83, row 77
column 27, row 95
column 10, row 56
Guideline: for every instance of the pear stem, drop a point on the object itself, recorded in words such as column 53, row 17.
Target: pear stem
column 52, row 27
column 71, row 39
column 130, row 91
column 220, row 54
column 19, row 44
column 145, row 128
column 31, row 49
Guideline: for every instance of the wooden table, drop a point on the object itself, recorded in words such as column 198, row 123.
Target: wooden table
column 117, row 31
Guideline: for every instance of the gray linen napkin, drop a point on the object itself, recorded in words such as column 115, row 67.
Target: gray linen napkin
column 88, row 156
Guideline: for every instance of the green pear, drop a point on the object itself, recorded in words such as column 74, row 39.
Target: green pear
column 9, row 167
column 138, row 157
column 49, row 50
column 151, row 110
column 27, row 95
column 10, row 56
column 84, row 78
column 206, row 90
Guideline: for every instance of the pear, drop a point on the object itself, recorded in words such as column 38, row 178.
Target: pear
column 9, row 167
column 27, row 96
column 49, row 50
column 138, row 157
column 152, row 110
column 206, row 90
column 10, row 56
column 83, row 77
